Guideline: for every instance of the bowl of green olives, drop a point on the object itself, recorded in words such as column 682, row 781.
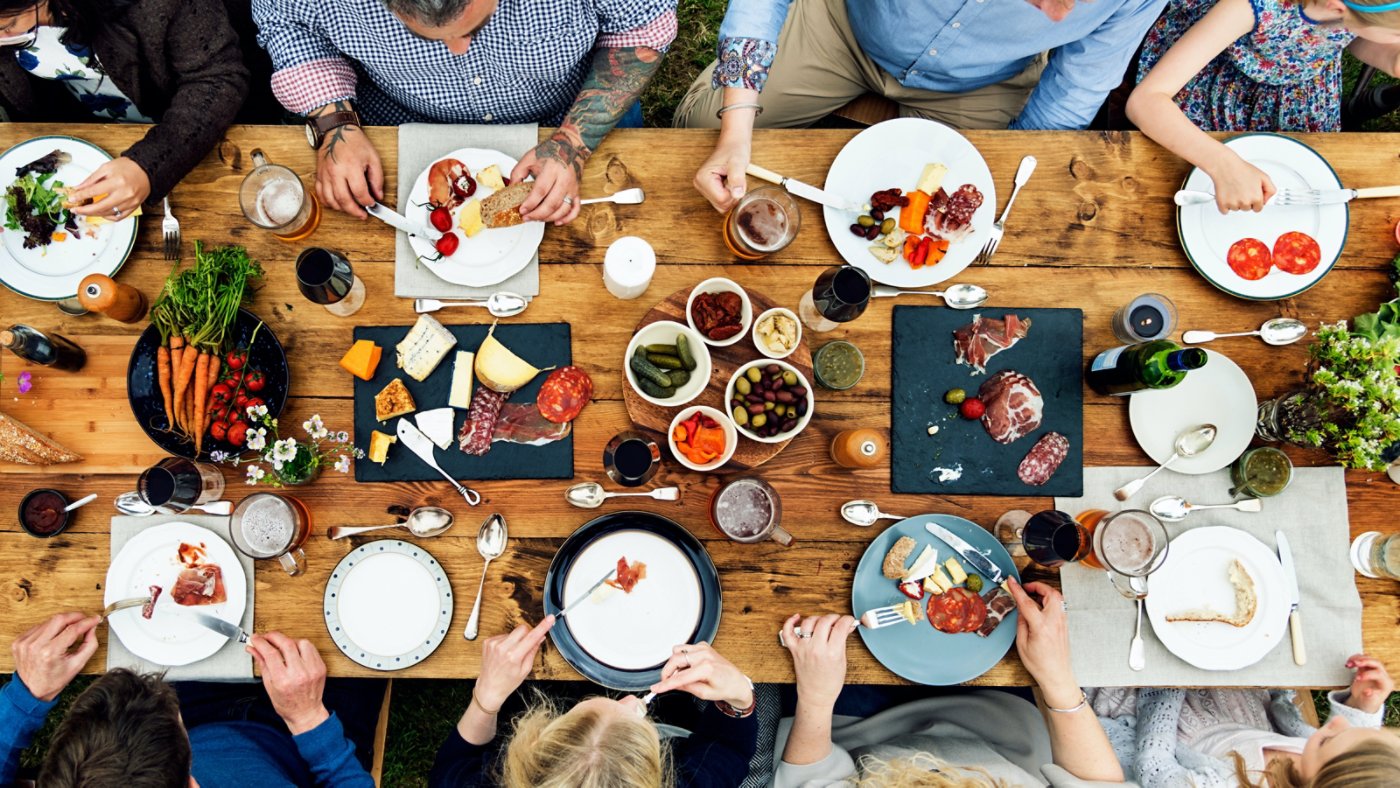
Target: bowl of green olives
column 769, row 401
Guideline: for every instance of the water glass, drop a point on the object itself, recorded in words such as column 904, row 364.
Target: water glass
column 326, row 278
column 272, row 526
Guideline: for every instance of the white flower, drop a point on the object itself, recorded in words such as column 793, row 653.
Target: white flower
column 257, row 412
column 343, row 464
column 255, row 474
column 218, row 456
column 315, row 428
column 342, row 437
column 257, row 439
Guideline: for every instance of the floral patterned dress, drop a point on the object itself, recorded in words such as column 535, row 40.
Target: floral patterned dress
column 1285, row 75
column 77, row 68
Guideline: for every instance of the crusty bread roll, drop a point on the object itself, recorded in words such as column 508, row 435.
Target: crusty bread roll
column 22, row 444
column 897, row 557
column 1246, row 602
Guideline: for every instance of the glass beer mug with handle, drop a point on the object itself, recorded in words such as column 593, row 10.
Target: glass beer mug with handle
column 272, row 526
column 274, row 198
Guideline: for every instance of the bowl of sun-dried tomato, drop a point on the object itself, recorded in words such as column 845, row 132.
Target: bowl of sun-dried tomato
column 719, row 311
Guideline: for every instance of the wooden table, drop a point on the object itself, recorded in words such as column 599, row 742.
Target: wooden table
column 1093, row 228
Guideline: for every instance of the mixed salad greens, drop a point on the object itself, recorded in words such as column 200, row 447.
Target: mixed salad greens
column 35, row 202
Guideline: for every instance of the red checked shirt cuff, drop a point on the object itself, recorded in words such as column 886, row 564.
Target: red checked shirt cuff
column 656, row 34
column 314, row 84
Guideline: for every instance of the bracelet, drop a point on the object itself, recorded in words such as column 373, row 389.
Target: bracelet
column 756, row 106
column 1083, row 701
column 739, row 714
column 484, row 710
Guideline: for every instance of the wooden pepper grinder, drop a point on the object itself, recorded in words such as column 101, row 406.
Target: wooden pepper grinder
column 120, row 302
column 863, row 448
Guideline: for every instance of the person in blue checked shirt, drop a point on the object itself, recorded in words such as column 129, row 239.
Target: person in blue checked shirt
column 577, row 64
column 132, row 730
column 972, row 64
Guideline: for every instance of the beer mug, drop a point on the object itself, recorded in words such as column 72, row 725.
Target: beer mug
column 272, row 526
column 1129, row 545
column 764, row 221
column 748, row 510
column 273, row 198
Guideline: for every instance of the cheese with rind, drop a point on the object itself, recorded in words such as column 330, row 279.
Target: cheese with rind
column 437, row 425
column 424, row 348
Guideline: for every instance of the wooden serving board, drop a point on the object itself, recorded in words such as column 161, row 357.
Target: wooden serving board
column 724, row 362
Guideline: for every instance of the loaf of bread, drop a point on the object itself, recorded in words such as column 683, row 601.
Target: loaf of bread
column 20, row 443
column 897, row 557
column 1246, row 602
column 502, row 209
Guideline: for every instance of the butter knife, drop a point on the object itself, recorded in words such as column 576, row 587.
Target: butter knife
column 979, row 560
column 231, row 631
column 398, row 221
column 1295, row 620
column 421, row 445
column 585, row 595
column 804, row 190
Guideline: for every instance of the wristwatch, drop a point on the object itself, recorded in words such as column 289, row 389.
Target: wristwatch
column 318, row 127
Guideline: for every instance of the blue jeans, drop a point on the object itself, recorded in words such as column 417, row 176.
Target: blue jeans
column 633, row 118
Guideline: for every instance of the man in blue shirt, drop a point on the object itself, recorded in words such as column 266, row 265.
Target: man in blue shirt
column 128, row 729
column 968, row 63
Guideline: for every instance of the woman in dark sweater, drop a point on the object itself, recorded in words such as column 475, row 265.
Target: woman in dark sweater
column 174, row 63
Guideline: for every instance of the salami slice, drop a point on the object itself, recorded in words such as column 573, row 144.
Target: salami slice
column 1250, row 258
column 977, row 612
column 1043, row 459
column 480, row 425
column 564, row 393
column 947, row 612
column 1296, row 253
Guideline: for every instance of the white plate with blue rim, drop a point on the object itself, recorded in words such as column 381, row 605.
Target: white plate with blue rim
column 388, row 604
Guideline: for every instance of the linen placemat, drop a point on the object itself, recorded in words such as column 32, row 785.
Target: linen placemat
column 421, row 144
column 1312, row 512
column 230, row 663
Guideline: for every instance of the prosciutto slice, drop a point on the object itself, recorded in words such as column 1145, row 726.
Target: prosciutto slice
column 976, row 342
column 1000, row 603
column 525, row 424
column 199, row 585
column 480, row 427
column 1014, row 406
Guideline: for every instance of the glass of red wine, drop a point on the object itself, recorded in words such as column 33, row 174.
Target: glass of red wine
column 631, row 458
column 840, row 295
column 1050, row 538
column 174, row 485
column 326, row 278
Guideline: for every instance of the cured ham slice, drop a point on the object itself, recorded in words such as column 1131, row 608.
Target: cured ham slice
column 1014, row 406
column 628, row 575
column 950, row 216
column 150, row 606
column 449, row 184
column 525, row 424
column 976, row 342
column 1000, row 603
column 199, row 585
column 480, row 427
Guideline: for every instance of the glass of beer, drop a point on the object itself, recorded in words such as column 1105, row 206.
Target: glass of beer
column 748, row 510
column 326, row 278
column 1127, row 544
column 272, row 526
column 764, row 221
column 273, row 198
column 1375, row 554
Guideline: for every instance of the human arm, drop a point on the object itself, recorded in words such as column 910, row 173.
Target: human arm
column 506, row 660
column 1385, row 57
column 1152, row 106
column 721, row 178
column 47, row 657
column 1363, row 703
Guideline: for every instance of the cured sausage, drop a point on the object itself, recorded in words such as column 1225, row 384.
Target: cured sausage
column 948, row 612
column 1044, row 458
column 1296, row 253
column 977, row 610
column 480, row 425
column 564, row 393
column 950, row 216
column 1250, row 258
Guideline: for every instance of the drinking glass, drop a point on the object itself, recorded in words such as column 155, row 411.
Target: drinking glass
column 748, row 510
column 1127, row 544
column 764, row 221
column 1375, row 554
column 839, row 295
column 1260, row 473
column 273, row 198
column 1149, row 316
column 174, row 485
column 326, row 278
column 272, row 526
column 631, row 459
column 1050, row 538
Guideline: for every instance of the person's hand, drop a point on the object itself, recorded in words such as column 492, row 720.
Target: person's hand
column 819, row 655
column 45, row 659
column 120, row 184
column 1239, row 185
column 556, row 178
column 1057, row 10
column 506, row 660
column 349, row 175
column 1371, row 685
column 1042, row 641
column 721, row 179
column 295, row 679
column 703, row 672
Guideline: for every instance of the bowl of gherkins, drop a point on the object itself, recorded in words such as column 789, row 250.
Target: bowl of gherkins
column 667, row 364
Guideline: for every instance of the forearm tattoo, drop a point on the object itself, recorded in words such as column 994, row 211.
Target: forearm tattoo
column 337, row 135
column 618, row 77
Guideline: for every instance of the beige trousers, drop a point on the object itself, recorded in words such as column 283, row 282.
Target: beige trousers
column 820, row 68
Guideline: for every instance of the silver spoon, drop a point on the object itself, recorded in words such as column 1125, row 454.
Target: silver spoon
column 865, row 513
column 498, row 304
column 1188, row 444
column 590, row 495
column 131, row 503
column 84, row 501
column 1277, row 332
column 424, row 521
column 491, row 543
column 1174, row 508
column 624, row 197
column 1137, row 656
column 956, row 296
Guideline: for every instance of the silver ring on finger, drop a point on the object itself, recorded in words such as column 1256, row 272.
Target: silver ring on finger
column 781, row 640
column 798, row 631
column 116, row 212
column 806, row 635
column 687, row 660
column 568, row 200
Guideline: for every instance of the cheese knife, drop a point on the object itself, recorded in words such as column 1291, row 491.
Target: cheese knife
column 1295, row 620
column 585, row 595
column 804, row 190
column 979, row 559
column 231, row 631
column 423, row 446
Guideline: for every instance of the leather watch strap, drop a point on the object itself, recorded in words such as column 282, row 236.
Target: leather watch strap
column 321, row 125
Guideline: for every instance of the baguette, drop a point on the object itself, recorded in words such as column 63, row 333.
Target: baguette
column 22, row 444
column 896, row 558
column 1246, row 602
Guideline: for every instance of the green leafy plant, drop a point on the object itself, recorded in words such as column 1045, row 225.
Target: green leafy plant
column 292, row 461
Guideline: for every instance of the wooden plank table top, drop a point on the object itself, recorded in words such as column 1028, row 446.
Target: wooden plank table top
column 1094, row 228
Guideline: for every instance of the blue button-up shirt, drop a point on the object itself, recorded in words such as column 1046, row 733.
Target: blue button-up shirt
column 954, row 46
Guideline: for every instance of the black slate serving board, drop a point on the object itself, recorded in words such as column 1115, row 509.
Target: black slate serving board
column 541, row 344
column 925, row 367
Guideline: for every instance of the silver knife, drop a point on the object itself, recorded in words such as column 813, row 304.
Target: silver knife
column 1295, row 620
column 1299, row 197
column 421, row 445
column 804, row 190
column 979, row 560
column 398, row 221
column 586, row 594
column 231, row 631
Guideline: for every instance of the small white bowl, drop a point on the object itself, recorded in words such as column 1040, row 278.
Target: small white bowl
column 731, row 437
column 762, row 346
column 801, row 422
column 664, row 332
column 721, row 285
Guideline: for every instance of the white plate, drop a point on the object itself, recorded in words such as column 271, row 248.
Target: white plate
column 1218, row 393
column 52, row 273
column 1195, row 575
column 493, row 256
column 893, row 154
column 152, row 558
column 1206, row 235
column 638, row 630
column 388, row 604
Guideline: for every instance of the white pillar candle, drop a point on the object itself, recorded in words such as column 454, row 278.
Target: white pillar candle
column 628, row 267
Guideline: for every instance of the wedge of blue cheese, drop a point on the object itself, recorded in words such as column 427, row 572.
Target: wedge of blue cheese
column 437, row 425
column 427, row 343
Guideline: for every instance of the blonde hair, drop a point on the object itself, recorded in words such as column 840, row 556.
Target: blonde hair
column 578, row 749
column 1371, row 764
column 1352, row 17
column 922, row 770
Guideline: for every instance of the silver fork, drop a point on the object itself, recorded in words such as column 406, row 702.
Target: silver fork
column 879, row 617
column 1023, row 174
column 122, row 604
column 170, row 228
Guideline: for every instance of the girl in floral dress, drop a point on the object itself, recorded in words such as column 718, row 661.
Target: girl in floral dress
column 1253, row 65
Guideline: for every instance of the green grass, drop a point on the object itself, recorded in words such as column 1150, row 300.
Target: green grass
column 1351, row 71
column 691, row 52
column 1392, row 707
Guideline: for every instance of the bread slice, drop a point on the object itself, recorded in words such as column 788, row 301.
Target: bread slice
column 502, row 209
column 393, row 401
column 1246, row 602
column 897, row 557
column 22, row 444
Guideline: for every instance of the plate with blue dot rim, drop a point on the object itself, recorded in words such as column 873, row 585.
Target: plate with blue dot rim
column 388, row 604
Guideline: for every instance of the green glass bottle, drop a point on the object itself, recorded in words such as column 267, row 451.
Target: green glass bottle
column 1159, row 364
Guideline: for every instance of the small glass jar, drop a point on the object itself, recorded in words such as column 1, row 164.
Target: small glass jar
column 838, row 365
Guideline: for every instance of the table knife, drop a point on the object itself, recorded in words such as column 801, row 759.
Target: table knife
column 1304, row 197
column 230, row 631
column 423, row 446
column 804, row 190
column 979, row 559
column 1295, row 620
column 585, row 595
column 398, row 221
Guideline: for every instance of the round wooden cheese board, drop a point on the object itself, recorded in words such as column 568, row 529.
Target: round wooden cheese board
column 724, row 362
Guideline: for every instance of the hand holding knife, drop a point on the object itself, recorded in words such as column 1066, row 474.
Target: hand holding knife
column 804, row 190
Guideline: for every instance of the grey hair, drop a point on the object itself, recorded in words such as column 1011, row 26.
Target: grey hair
column 433, row 12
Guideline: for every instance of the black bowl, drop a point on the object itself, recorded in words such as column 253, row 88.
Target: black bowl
column 62, row 525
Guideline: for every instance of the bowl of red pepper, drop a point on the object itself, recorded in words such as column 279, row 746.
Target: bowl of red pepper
column 701, row 438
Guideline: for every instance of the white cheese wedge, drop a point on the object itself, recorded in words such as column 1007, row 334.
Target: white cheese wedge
column 956, row 572
column 424, row 348
column 940, row 578
column 437, row 425
column 461, row 394
column 925, row 565
column 932, row 178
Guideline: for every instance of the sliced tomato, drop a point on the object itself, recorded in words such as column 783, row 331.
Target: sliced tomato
column 1296, row 253
column 1250, row 258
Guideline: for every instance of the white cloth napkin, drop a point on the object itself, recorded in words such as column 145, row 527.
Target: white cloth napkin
column 230, row 663
column 1312, row 512
column 421, row 144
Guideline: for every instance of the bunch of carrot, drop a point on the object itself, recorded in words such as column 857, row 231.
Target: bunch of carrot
column 193, row 314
